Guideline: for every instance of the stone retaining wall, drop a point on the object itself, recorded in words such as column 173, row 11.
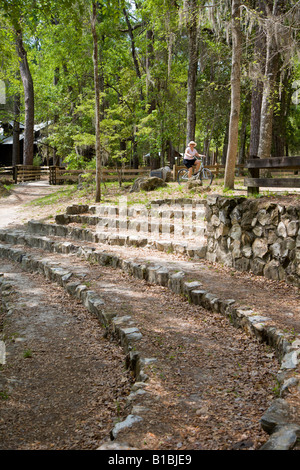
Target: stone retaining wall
column 254, row 235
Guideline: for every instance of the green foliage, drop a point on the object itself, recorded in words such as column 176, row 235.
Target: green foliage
column 140, row 112
column 27, row 353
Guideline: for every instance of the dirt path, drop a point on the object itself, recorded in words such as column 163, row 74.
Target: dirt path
column 54, row 392
column 12, row 207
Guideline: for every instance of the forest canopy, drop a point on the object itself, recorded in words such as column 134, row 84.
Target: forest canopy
column 162, row 71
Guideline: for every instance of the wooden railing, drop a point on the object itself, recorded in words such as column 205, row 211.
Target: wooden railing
column 60, row 175
column 7, row 173
column 23, row 173
column 54, row 174
column 284, row 164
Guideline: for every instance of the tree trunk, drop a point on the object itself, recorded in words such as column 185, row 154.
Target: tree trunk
column 16, row 131
column 271, row 71
column 55, row 157
column 280, row 120
column 104, row 104
column 97, row 103
column 151, row 99
column 267, row 106
column 192, row 71
column 135, row 157
column 149, row 61
column 29, row 101
column 133, row 50
column 171, row 153
column 235, row 96
column 259, row 60
column 243, row 132
column 256, row 99
column 225, row 144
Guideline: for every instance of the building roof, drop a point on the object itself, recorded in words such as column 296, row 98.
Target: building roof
column 9, row 140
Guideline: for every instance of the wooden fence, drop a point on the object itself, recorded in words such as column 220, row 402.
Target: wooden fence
column 23, row 173
column 283, row 164
column 7, row 174
column 60, row 175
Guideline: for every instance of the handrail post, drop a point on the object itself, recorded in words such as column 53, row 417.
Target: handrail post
column 254, row 173
column 15, row 174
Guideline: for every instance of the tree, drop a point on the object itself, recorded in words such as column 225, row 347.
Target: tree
column 192, row 30
column 268, row 97
column 235, row 96
column 281, row 28
column 27, row 81
column 257, row 72
column 14, row 12
column 16, row 131
column 97, row 101
column 163, row 70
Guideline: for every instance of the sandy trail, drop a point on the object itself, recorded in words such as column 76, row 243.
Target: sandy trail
column 12, row 205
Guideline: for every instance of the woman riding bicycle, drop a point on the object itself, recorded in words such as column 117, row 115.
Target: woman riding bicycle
column 190, row 160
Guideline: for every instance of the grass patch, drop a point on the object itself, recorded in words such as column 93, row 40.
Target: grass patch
column 111, row 192
column 4, row 395
column 54, row 198
column 27, row 353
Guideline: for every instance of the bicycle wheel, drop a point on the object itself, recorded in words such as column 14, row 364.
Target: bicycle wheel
column 182, row 176
column 206, row 176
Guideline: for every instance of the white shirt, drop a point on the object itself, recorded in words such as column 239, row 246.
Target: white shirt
column 190, row 154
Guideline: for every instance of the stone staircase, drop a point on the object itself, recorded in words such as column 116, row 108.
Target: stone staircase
column 140, row 242
column 178, row 228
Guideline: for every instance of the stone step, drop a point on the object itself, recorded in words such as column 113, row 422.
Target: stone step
column 180, row 227
column 156, row 209
column 192, row 248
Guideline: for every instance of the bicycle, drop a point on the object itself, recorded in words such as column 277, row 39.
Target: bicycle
column 203, row 174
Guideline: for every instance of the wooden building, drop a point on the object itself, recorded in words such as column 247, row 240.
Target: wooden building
column 6, row 142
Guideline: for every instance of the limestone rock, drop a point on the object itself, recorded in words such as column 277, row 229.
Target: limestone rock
column 281, row 230
column 147, row 184
column 127, row 423
column 278, row 414
column 194, row 184
column 283, row 439
column 263, row 217
column 274, row 270
column 259, row 247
